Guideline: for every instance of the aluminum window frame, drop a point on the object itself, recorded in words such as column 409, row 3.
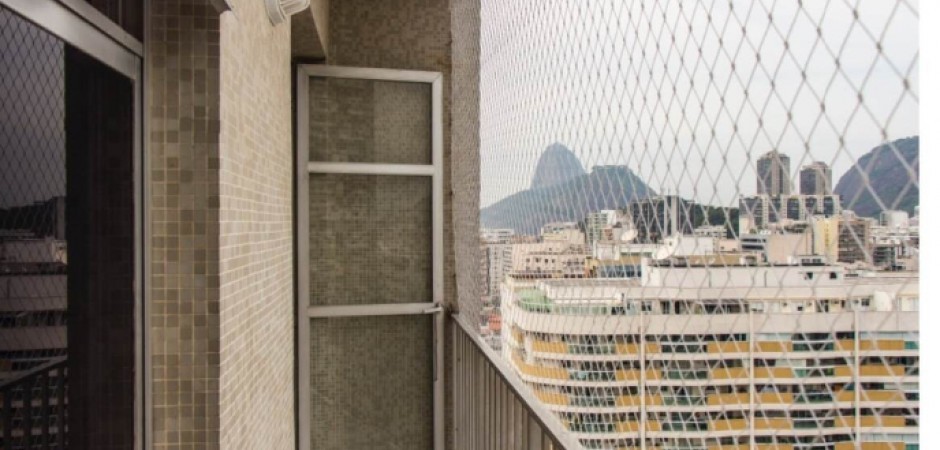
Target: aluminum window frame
column 305, row 167
column 82, row 27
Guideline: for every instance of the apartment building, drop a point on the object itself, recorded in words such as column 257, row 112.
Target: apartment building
column 767, row 357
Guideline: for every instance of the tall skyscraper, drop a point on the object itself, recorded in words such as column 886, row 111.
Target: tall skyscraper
column 816, row 179
column 773, row 174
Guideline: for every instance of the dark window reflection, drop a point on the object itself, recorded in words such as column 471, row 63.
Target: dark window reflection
column 66, row 245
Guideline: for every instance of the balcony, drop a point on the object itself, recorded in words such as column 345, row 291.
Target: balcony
column 729, row 425
column 871, row 446
column 733, row 373
column 686, row 374
column 871, row 396
column 729, row 399
column 533, row 370
column 635, row 400
column 549, row 347
column 868, row 345
column 634, row 349
column 773, row 424
column 871, row 421
column 273, row 225
column 773, row 372
column 774, row 346
column 685, row 400
column 635, row 374
column 728, row 347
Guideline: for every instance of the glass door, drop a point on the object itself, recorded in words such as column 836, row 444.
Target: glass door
column 370, row 237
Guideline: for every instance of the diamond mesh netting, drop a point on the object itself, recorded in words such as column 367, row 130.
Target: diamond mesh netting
column 32, row 238
column 67, row 193
column 699, row 220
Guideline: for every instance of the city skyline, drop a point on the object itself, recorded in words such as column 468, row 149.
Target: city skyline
column 701, row 136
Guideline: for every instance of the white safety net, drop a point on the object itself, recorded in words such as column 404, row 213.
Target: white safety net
column 699, row 220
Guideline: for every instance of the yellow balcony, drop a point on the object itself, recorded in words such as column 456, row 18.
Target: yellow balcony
column 549, row 347
column 728, row 347
column 879, row 370
column 871, row 396
column 774, row 346
column 634, row 375
column 728, row 425
column 738, row 398
column 555, row 373
column 883, row 396
column 632, row 426
column 748, row 447
column 773, row 372
column 871, row 370
column 634, row 349
column 867, row 345
column 634, row 400
column 771, row 398
column 871, row 446
column 872, row 421
column 775, row 423
column 552, row 398
column 726, row 373
column 760, row 398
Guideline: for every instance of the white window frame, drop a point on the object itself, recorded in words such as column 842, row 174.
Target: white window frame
column 305, row 167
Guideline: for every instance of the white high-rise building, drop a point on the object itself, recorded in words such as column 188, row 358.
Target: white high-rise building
column 801, row 356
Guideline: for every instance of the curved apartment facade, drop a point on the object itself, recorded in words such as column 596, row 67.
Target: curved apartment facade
column 778, row 357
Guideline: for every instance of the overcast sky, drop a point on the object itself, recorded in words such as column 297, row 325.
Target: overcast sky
column 690, row 103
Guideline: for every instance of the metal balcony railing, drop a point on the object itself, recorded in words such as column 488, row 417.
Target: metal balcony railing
column 493, row 409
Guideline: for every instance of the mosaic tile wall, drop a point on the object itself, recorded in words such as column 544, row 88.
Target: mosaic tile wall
column 222, row 292
column 256, row 232
column 183, row 101
column 399, row 34
column 349, row 409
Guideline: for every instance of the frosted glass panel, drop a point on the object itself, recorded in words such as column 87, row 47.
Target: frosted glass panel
column 371, row 383
column 368, row 121
column 370, row 239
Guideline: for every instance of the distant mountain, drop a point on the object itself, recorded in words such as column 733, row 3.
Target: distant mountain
column 556, row 165
column 606, row 187
column 887, row 176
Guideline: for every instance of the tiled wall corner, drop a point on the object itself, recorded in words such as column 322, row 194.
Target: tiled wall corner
column 183, row 104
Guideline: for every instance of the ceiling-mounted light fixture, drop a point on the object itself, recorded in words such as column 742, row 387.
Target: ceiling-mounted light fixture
column 280, row 10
